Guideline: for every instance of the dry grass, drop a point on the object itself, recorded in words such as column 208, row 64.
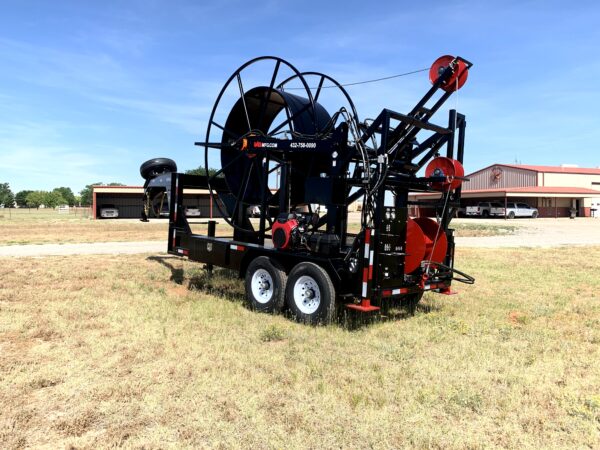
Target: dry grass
column 140, row 351
column 23, row 226
column 474, row 229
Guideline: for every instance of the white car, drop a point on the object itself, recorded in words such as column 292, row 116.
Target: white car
column 192, row 212
column 109, row 212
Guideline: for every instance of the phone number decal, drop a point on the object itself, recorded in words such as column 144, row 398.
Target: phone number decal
column 303, row 145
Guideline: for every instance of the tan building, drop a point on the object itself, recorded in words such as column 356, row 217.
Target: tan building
column 553, row 190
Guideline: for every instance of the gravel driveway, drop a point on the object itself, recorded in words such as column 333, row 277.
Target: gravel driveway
column 530, row 233
column 537, row 233
column 94, row 248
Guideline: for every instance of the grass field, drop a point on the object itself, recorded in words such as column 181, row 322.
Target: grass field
column 24, row 226
column 144, row 351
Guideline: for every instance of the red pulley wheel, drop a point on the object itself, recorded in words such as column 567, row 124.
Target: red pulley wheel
column 445, row 167
column 415, row 246
column 458, row 77
column 433, row 235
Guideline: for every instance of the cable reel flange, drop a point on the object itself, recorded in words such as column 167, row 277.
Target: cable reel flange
column 322, row 77
column 265, row 94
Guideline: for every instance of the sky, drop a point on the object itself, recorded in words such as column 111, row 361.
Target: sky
column 90, row 90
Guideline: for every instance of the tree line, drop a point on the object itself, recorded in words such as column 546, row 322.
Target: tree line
column 64, row 195
column 50, row 199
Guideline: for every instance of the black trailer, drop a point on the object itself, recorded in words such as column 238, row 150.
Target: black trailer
column 289, row 171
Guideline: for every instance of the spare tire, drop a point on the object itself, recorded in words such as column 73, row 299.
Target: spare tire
column 157, row 166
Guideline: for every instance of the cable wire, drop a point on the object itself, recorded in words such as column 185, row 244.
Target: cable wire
column 365, row 81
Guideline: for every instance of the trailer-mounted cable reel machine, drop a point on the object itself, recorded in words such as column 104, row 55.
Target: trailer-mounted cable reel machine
column 294, row 155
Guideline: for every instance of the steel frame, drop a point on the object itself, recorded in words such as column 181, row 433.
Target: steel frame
column 380, row 245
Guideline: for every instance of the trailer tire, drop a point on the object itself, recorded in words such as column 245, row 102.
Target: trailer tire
column 265, row 284
column 310, row 294
column 511, row 215
column 157, row 166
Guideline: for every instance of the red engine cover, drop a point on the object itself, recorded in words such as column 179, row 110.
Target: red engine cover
column 282, row 233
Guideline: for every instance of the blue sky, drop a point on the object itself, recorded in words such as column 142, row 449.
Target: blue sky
column 90, row 90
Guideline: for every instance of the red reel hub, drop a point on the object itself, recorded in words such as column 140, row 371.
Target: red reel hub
column 445, row 167
column 460, row 72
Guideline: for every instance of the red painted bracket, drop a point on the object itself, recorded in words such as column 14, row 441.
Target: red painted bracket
column 363, row 306
column 448, row 291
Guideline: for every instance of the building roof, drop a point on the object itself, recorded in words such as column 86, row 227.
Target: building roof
column 530, row 191
column 539, row 190
column 138, row 190
column 96, row 186
column 118, row 189
column 548, row 169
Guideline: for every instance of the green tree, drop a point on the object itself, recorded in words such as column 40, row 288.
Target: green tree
column 10, row 200
column 86, row 193
column 7, row 198
column 21, row 198
column 67, row 194
column 53, row 199
column 35, row 199
column 202, row 171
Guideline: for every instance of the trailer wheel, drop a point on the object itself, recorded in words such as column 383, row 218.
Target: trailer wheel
column 310, row 294
column 265, row 285
column 511, row 215
column 157, row 166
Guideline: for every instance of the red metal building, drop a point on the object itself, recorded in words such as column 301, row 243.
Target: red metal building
column 553, row 190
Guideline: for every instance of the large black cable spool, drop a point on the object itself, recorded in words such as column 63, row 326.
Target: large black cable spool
column 244, row 170
column 255, row 113
column 318, row 87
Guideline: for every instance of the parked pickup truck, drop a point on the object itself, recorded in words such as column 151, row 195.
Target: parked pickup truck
column 515, row 210
column 482, row 209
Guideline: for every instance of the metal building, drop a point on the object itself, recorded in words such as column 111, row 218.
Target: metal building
column 129, row 201
column 553, row 190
